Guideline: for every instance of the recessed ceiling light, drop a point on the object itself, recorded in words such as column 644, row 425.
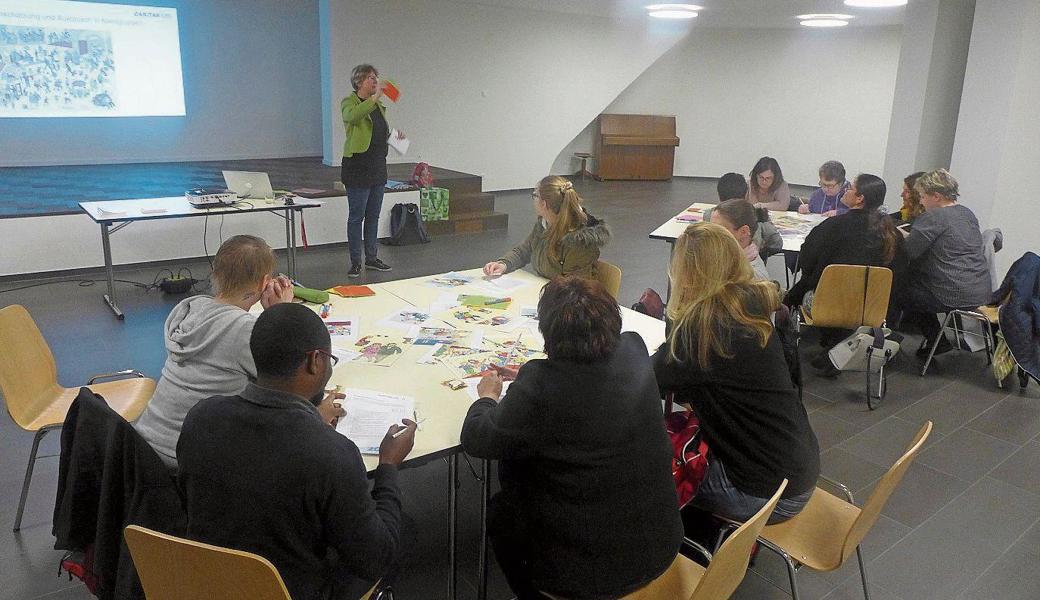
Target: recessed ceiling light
column 874, row 3
column 673, row 14
column 824, row 23
column 688, row 7
column 825, row 16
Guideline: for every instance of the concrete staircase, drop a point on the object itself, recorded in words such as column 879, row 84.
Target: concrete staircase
column 471, row 209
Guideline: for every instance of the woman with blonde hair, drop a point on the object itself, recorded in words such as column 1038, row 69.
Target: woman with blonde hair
column 565, row 239
column 723, row 357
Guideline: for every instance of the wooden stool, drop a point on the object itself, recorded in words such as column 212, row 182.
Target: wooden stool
column 584, row 158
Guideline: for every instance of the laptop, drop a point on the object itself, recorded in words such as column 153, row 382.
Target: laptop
column 249, row 184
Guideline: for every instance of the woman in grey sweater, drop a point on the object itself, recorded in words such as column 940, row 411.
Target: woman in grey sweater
column 948, row 268
column 207, row 338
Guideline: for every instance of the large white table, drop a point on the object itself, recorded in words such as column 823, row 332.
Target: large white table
column 440, row 410
column 125, row 212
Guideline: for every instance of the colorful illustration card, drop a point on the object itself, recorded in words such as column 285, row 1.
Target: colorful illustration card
column 344, row 330
column 405, row 318
column 429, row 336
column 479, row 301
column 472, row 315
column 378, row 350
column 449, row 280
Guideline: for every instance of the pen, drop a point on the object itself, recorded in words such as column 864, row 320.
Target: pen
column 415, row 417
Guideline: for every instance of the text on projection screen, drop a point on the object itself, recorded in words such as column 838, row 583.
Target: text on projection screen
column 82, row 59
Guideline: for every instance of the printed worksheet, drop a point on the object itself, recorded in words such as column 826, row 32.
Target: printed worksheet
column 370, row 414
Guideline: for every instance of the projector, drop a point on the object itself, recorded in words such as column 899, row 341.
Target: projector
column 208, row 198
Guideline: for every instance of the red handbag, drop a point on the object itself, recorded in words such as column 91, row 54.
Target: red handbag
column 689, row 452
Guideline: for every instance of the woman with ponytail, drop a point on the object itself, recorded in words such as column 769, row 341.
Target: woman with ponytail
column 565, row 239
column 723, row 357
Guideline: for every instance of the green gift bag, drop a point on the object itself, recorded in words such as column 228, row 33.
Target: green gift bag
column 433, row 204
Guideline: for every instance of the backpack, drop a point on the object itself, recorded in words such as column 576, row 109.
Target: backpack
column 406, row 228
column 689, row 453
column 422, row 176
column 650, row 303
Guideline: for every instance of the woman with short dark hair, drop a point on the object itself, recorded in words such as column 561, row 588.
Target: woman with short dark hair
column 588, row 508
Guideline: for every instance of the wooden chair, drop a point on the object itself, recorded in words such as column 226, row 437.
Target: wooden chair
column 848, row 297
column 35, row 400
column 610, row 276
column 173, row 568
column 823, row 536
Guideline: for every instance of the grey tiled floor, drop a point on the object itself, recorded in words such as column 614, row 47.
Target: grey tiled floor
column 964, row 524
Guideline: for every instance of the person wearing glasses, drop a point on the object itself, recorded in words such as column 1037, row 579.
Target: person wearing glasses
column 565, row 240
column 261, row 470
column 207, row 340
column 363, row 170
column 826, row 200
column 766, row 186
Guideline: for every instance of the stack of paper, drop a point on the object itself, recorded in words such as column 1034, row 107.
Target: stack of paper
column 370, row 414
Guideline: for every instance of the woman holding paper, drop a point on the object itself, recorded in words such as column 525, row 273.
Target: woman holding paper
column 364, row 166
column 565, row 239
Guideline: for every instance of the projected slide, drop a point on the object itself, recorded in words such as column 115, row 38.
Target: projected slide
column 82, row 59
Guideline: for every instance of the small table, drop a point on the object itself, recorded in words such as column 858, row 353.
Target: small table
column 125, row 212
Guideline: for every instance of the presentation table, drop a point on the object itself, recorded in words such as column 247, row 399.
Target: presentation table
column 113, row 215
column 439, row 410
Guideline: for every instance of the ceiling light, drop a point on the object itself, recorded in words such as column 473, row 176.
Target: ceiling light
column 825, row 16
column 673, row 11
column 673, row 14
column 824, row 23
column 874, row 3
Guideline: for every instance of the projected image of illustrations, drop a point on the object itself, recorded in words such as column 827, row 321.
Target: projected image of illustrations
column 56, row 70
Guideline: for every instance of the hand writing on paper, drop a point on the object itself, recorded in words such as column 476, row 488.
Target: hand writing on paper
column 803, row 209
column 397, row 443
column 331, row 410
column 490, row 386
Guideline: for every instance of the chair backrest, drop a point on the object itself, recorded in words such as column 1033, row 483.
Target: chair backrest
column 728, row 566
column 173, row 568
column 610, row 276
column 28, row 376
column 885, row 486
column 849, row 296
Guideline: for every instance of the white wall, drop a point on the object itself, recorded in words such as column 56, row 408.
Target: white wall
column 251, row 90
column 934, row 53
column 801, row 96
column 489, row 90
column 996, row 147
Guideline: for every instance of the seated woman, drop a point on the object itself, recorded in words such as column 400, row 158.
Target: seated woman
column 733, row 186
column 739, row 218
column 948, row 266
column 723, row 357
column 207, row 338
column 565, row 239
column 588, row 508
column 861, row 236
column 912, row 207
column 826, row 199
column 766, row 186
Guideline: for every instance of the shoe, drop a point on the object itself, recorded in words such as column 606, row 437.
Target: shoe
column 355, row 270
column 377, row 265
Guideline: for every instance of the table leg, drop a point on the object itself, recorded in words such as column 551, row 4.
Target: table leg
column 110, row 297
column 290, row 242
column 453, row 490
column 668, row 270
column 485, row 493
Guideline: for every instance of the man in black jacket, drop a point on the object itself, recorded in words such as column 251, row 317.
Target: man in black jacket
column 263, row 471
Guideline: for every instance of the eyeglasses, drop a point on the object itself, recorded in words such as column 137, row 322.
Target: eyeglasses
column 332, row 357
column 830, row 186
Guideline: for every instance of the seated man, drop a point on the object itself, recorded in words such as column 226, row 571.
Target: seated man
column 733, row 186
column 264, row 472
column 738, row 217
column 826, row 199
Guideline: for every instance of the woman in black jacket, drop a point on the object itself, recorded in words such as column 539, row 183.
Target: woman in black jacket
column 588, row 508
column 723, row 357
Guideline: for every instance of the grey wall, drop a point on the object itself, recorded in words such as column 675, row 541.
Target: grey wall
column 252, row 89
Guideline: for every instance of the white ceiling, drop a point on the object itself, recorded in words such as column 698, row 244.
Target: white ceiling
column 717, row 13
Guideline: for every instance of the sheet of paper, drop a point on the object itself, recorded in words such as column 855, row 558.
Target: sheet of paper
column 370, row 414
column 405, row 318
column 400, row 145
column 343, row 330
column 505, row 283
column 471, row 387
column 449, row 280
column 445, row 301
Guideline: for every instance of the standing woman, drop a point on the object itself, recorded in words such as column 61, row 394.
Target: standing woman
column 364, row 166
column 766, row 187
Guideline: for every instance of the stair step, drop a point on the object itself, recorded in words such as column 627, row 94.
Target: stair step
column 470, row 224
column 471, row 203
